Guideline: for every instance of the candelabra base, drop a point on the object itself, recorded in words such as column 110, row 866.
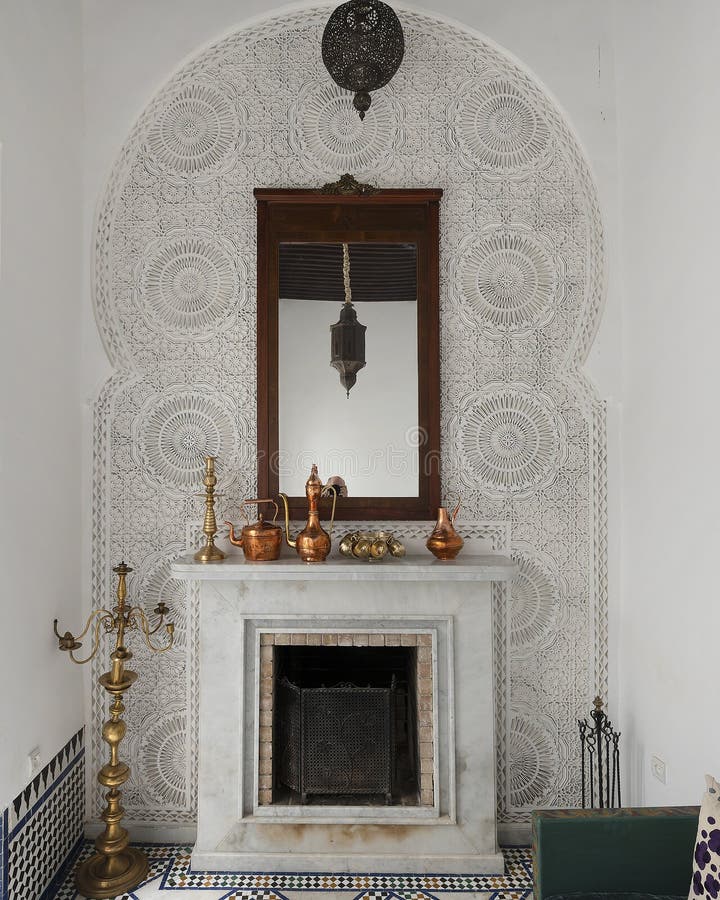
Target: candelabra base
column 210, row 553
column 104, row 876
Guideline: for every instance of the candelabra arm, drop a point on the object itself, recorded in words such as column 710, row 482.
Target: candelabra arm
column 138, row 614
column 161, row 611
column 69, row 643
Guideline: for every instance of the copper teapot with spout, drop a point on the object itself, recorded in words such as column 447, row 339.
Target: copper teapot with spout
column 313, row 543
column 260, row 541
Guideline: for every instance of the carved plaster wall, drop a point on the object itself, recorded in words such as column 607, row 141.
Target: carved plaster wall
column 522, row 290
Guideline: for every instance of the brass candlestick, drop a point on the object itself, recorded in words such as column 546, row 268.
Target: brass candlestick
column 116, row 868
column 209, row 553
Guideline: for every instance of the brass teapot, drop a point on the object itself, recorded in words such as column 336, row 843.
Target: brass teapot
column 313, row 543
column 260, row 541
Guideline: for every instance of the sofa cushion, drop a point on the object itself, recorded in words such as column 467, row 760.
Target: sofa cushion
column 706, row 859
column 641, row 851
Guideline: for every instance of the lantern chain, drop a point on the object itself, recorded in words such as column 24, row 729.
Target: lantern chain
column 346, row 274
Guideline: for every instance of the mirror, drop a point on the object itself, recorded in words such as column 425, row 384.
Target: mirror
column 369, row 397
column 348, row 348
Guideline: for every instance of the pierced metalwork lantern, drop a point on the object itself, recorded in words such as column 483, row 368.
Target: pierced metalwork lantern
column 347, row 336
column 362, row 48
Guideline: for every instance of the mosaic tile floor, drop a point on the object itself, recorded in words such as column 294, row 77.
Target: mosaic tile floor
column 170, row 871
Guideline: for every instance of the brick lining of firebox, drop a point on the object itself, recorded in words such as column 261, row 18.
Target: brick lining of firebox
column 424, row 679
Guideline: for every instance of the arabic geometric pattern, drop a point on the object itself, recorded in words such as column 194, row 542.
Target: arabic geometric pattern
column 324, row 131
column 178, row 430
column 188, row 284
column 535, row 603
column 509, row 438
column 197, row 131
column 533, row 762
column 496, row 125
column 509, row 279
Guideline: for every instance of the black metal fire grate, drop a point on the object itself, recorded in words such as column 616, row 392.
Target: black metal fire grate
column 336, row 740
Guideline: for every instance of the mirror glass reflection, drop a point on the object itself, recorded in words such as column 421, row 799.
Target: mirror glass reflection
column 348, row 367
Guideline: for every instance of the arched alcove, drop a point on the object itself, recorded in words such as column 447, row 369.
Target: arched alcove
column 522, row 265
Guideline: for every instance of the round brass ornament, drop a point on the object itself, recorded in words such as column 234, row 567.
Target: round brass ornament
column 361, row 548
column 370, row 545
column 378, row 548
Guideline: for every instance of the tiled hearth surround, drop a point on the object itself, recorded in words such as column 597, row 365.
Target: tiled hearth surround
column 43, row 827
column 424, row 686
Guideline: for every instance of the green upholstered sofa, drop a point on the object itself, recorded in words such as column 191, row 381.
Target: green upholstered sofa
column 616, row 854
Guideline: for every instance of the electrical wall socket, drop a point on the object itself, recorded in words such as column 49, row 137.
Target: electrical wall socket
column 658, row 768
column 34, row 761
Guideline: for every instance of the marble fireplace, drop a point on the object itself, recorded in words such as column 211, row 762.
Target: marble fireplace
column 428, row 625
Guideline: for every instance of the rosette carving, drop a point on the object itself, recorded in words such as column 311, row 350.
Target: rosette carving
column 197, row 131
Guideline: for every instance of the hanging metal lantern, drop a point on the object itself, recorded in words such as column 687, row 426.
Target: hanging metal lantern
column 347, row 336
column 362, row 48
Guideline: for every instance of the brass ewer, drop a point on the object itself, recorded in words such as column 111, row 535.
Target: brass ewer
column 313, row 543
column 115, row 868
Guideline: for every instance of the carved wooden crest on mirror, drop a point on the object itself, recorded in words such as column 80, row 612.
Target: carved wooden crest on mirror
column 348, row 346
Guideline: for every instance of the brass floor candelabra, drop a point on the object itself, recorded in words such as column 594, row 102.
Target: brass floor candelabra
column 115, row 868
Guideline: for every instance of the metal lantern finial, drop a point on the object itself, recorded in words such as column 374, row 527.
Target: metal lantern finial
column 362, row 48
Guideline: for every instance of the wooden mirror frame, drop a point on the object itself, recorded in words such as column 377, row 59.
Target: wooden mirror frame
column 389, row 216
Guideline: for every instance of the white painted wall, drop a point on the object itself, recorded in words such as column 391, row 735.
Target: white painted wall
column 40, row 286
column 668, row 97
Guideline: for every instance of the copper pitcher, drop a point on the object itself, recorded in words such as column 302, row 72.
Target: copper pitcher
column 313, row 543
column 445, row 542
column 260, row 541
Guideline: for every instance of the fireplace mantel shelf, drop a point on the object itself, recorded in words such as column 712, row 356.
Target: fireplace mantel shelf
column 491, row 567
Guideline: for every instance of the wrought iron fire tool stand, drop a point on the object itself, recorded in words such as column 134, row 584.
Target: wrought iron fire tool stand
column 600, row 760
column 115, row 868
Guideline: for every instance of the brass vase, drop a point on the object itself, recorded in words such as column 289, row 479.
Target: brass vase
column 445, row 542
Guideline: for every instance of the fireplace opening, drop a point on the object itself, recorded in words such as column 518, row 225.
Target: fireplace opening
column 345, row 726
